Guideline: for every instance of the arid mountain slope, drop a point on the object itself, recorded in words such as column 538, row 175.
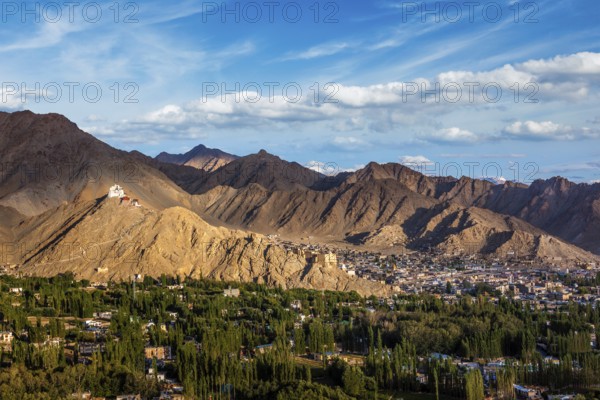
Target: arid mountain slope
column 357, row 205
column 470, row 230
column 262, row 168
column 9, row 218
column 381, row 214
column 200, row 157
column 105, row 239
column 567, row 210
column 48, row 160
column 562, row 208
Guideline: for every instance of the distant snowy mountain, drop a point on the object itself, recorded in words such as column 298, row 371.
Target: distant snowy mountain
column 495, row 180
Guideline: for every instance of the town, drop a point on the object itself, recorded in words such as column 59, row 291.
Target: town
column 152, row 327
column 543, row 284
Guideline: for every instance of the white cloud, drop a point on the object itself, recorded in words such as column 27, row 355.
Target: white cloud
column 521, row 83
column 418, row 160
column 392, row 106
column 547, row 130
column 11, row 99
column 505, row 76
column 452, row 135
column 585, row 63
column 170, row 114
column 535, row 128
column 569, row 77
column 386, row 94
column 100, row 131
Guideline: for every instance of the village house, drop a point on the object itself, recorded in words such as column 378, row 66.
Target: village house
column 159, row 376
column 158, row 352
column 106, row 315
column 296, row 305
column 262, row 349
column 49, row 342
column 85, row 396
column 89, row 348
column 524, row 392
column 231, row 292
column 328, row 356
column 6, row 338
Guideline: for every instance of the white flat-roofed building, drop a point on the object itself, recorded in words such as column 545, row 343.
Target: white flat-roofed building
column 116, row 191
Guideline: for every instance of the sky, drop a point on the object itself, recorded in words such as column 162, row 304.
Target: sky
column 500, row 89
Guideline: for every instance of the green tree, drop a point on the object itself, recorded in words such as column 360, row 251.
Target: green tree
column 474, row 385
column 353, row 380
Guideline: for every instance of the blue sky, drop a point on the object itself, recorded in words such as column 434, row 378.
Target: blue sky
column 384, row 81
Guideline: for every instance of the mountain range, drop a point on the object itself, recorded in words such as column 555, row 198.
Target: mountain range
column 199, row 157
column 207, row 212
